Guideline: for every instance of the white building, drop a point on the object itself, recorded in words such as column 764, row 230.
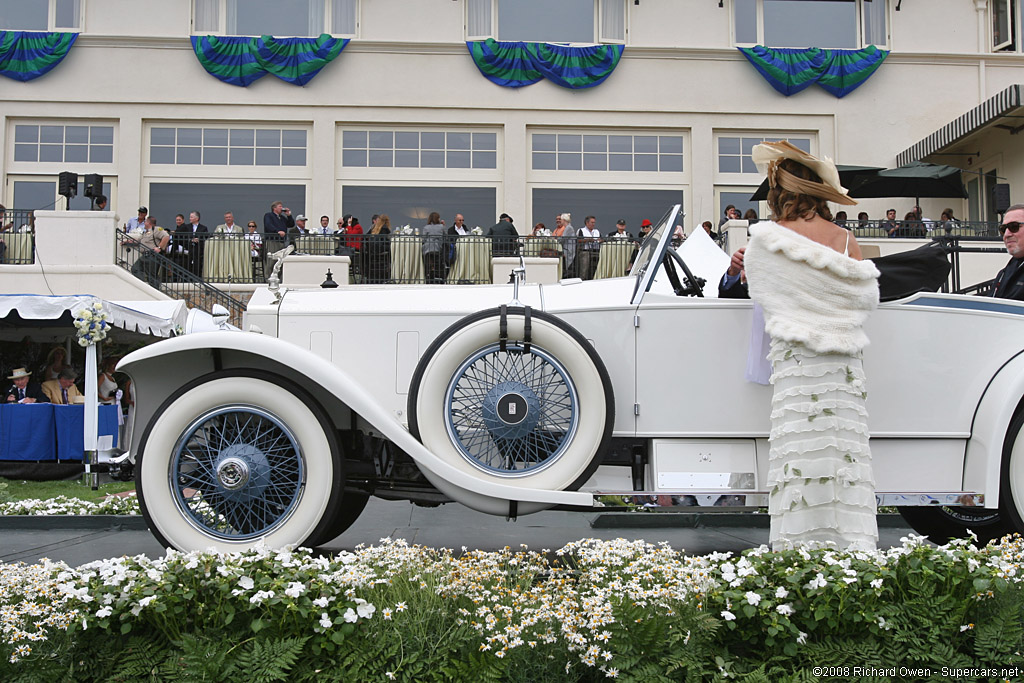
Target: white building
column 403, row 122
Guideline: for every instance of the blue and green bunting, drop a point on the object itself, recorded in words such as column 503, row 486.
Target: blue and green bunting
column 241, row 60
column 25, row 55
column 790, row 70
column 514, row 65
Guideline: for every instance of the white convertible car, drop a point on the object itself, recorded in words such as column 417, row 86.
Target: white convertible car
column 515, row 398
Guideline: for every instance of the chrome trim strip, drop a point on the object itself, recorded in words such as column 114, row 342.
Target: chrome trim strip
column 719, row 499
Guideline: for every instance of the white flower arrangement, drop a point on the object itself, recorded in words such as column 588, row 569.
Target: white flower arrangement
column 545, row 233
column 408, row 230
column 92, row 323
column 64, row 505
column 620, row 236
column 477, row 230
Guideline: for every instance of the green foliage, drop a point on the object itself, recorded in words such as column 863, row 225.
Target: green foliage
column 5, row 494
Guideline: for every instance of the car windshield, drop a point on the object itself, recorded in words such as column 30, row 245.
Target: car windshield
column 650, row 249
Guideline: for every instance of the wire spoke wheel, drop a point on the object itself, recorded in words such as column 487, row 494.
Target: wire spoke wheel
column 511, row 412
column 237, row 472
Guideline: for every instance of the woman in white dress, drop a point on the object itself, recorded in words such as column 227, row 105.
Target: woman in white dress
column 106, row 387
column 807, row 274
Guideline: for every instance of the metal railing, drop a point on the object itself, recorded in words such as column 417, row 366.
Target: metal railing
column 17, row 237
column 173, row 278
column 924, row 229
column 953, row 248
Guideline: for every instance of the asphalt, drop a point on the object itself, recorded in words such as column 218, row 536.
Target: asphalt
column 78, row 540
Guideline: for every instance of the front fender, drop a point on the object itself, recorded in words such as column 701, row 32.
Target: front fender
column 996, row 409
column 158, row 369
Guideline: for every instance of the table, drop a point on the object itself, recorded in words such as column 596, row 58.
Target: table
column 44, row 431
column 70, row 422
column 472, row 261
column 407, row 259
column 27, row 432
column 546, row 247
column 613, row 258
column 319, row 245
column 19, row 247
column 227, row 258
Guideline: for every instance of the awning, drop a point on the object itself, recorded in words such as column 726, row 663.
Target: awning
column 986, row 113
column 156, row 318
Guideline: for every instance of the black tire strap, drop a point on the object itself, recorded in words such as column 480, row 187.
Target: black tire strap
column 502, row 327
column 527, row 330
column 513, row 511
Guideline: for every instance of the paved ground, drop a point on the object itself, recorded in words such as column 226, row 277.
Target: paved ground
column 451, row 526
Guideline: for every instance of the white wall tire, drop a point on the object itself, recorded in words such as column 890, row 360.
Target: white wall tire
column 572, row 435
column 260, row 455
column 1011, row 493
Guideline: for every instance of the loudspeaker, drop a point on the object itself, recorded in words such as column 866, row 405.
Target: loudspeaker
column 67, row 184
column 93, row 185
column 1001, row 197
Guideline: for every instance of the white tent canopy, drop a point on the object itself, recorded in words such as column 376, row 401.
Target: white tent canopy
column 156, row 318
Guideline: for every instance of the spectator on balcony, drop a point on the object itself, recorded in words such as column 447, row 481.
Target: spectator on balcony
column 948, row 222
column 505, row 235
column 890, row 225
column 276, row 223
column 189, row 239
column 298, row 230
column 750, row 216
column 589, row 244
column 840, row 219
column 349, row 226
column 137, row 222
column 378, row 251
column 458, row 226
column 100, row 203
column 862, row 219
column 62, row 391
column 731, row 214
column 433, row 245
column 229, row 225
column 620, row 231
column 563, row 231
column 1009, row 282
column 255, row 240
column 154, row 243
column 325, row 226
column 912, row 226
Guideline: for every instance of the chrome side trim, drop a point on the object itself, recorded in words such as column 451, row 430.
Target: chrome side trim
column 719, row 498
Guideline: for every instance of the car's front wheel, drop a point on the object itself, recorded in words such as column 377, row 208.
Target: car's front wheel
column 233, row 459
column 940, row 523
column 1011, row 492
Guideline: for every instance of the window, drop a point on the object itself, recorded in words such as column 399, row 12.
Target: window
column 734, row 151
column 275, row 17
column 37, row 193
column 419, row 149
column 407, row 205
column 565, row 21
column 607, row 152
column 40, row 15
column 248, row 201
column 606, row 205
column 60, row 143
column 1002, row 25
column 227, row 146
column 846, row 24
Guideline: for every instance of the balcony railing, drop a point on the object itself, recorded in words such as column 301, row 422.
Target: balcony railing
column 924, row 229
column 17, row 237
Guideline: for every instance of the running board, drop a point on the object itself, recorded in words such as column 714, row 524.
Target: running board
column 754, row 499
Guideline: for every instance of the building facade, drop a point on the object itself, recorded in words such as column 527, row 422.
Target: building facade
column 403, row 122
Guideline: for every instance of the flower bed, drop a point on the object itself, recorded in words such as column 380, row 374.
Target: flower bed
column 64, row 505
column 592, row 610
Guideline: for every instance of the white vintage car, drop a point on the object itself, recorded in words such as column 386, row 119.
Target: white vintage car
column 515, row 398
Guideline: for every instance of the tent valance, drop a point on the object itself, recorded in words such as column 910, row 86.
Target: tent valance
column 26, row 55
column 515, row 64
column 790, row 70
column 156, row 318
column 242, row 60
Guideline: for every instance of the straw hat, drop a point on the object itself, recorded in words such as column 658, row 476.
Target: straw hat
column 19, row 373
column 767, row 156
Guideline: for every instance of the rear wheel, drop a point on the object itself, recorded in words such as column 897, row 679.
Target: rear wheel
column 1011, row 492
column 232, row 459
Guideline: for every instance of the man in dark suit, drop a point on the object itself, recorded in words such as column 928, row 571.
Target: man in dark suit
column 276, row 224
column 506, row 236
column 734, row 283
column 1009, row 283
column 23, row 391
column 191, row 237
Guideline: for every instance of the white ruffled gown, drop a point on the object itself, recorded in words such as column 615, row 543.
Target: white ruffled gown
column 820, row 481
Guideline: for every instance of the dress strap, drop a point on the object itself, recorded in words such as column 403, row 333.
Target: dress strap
column 846, row 250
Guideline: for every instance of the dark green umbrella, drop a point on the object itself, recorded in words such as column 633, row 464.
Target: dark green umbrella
column 848, row 176
column 917, row 180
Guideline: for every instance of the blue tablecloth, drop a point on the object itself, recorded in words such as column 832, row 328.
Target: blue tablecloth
column 27, row 432
column 70, row 421
column 43, row 431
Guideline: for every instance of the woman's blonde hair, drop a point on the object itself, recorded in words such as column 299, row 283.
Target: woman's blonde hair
column 380, row 224
column 789, row 206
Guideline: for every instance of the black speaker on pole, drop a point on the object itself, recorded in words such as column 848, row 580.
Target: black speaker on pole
column 67, row 186
column 93, row 185
column 1001, row 197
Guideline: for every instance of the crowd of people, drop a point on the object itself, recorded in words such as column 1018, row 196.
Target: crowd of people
column 53, row 378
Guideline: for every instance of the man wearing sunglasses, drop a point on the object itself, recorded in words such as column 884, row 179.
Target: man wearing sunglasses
column 1009, row 282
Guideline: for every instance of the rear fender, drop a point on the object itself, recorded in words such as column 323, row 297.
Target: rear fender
column 159, row 369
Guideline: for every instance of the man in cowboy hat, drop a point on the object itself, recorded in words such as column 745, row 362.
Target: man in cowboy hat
column 62, row 391
column 21, row 391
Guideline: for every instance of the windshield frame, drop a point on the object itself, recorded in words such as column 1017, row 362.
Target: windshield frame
column 652, row 252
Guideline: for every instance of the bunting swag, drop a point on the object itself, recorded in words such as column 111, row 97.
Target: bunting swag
column 26, row 55
column 241, row 60
column 514, row 65
column 790, row 70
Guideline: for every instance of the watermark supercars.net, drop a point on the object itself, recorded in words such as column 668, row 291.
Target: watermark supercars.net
column 1008, row 673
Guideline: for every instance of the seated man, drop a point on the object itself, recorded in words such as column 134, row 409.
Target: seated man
column 1009, row 282
column 62, row 391
column 22, row 391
